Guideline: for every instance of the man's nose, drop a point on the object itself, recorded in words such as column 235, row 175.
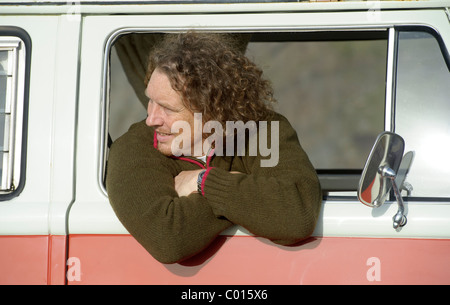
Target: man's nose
column 154, row 117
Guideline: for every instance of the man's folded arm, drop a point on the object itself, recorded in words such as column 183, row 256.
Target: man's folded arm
column 141, row 191
column 281, row 203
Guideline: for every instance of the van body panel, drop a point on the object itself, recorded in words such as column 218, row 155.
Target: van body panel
column 61, row 229
column 244, row 260
column 33, row 259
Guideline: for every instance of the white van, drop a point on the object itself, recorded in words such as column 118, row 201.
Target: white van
column 343, row 73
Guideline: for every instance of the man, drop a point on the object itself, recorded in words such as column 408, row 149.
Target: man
column 175, row 205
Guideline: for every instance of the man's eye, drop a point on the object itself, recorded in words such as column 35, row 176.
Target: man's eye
column 168, row 110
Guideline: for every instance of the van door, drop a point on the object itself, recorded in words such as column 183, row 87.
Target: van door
column 351, row 244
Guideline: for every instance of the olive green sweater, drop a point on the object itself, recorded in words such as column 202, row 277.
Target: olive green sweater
column 281, row 203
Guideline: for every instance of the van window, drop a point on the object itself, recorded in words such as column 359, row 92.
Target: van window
column 12, row 97
column 330, row 85
column 423, row 111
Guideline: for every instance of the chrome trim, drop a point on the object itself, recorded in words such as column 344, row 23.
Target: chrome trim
column 389, row 124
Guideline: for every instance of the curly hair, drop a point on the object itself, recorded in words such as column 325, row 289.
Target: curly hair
column 213, row 76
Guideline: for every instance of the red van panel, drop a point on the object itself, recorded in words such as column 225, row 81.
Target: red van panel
column 34, row 259
column 119, row 259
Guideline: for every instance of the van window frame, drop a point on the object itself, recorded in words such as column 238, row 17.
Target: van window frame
column 20, row 157
column 344, row 177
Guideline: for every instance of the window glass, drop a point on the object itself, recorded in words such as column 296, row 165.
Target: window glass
column 12, row 78
column 3, row 78
column 333, row 94
column 125, row 107
column 423, row 111
column 6, row 59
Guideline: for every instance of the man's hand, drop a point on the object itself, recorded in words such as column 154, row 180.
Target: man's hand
column 186, row 182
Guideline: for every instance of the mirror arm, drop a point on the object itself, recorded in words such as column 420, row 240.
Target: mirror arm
column 400, row 217
column 385, row 172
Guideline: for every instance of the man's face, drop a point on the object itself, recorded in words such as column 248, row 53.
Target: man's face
column 165, row 107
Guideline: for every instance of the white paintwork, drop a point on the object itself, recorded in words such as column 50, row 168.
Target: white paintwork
column 41, row 207
column 66, row 107
column 144, row 7
column 337, row 219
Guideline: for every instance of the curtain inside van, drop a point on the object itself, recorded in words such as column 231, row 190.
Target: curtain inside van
column 133, row 51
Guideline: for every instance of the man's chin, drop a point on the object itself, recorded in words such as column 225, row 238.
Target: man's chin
column 169, row 152
column 165, row 149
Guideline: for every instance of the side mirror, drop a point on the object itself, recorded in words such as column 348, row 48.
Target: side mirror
column 385, row 169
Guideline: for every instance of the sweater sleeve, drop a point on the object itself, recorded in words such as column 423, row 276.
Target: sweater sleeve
column 140, row 185
column 281, row 202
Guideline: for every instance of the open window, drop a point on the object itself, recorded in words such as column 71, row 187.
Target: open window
column 15, row 47
column 331, row 85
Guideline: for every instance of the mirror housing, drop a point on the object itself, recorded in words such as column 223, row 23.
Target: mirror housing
column 385, row 169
